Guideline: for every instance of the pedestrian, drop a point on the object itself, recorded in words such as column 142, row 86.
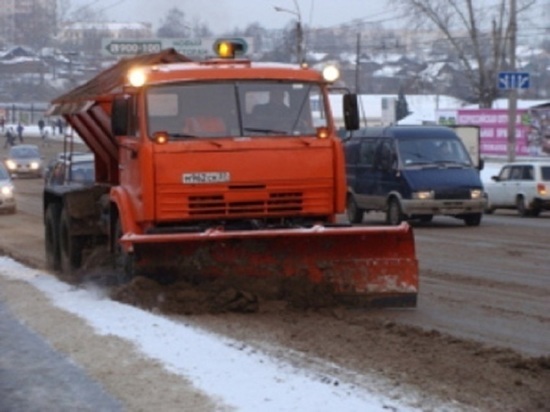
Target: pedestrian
column 10, row 138
column 2, row 123
column 20, row 129
column 60, row 126
column 45, row 137
column 41, row 125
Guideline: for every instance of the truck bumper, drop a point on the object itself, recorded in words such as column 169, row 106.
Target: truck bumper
column 442, row 207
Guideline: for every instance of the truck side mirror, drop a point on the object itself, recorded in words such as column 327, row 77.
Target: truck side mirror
column 122, row 123
column 351, row 111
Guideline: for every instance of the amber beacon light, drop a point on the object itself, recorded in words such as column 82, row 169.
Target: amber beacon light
column 230, row 48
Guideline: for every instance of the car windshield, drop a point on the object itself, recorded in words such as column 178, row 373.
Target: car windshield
column 24, row 152
column 433, row 151
column 244, row 108
column 82, row 172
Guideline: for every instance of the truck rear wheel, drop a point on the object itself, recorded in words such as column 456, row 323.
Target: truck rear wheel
column 51, row 237
column 70, row 246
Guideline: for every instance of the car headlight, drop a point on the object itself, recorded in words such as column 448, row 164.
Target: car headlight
column 35, row 165
column 423, row 195
column 7, row 190
column 476, row 194
column 11, row 165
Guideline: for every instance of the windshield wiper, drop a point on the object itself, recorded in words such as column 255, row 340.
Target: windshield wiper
column 191, row 136
column 266, row 131
column 451, row 162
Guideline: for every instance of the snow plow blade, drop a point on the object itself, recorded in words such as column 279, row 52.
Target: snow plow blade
column 357, row 266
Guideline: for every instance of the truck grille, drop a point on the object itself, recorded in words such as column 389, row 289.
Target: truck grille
column 217, row 205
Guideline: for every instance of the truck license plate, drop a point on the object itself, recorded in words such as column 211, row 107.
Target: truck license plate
column 206, row 177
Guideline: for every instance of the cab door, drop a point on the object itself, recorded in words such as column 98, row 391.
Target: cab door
column 133, row 157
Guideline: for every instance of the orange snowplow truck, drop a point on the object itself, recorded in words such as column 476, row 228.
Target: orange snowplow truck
column 221, row 168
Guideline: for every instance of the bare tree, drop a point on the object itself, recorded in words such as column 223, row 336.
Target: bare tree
column 174, row 24
column 36, row 27
column 480, row 36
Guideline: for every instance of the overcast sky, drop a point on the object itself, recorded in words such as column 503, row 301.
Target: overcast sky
column 224, row 15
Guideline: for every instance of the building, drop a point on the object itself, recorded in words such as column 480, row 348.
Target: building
column 14, row 13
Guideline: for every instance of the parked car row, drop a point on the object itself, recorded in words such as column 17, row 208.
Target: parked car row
column 25, row 160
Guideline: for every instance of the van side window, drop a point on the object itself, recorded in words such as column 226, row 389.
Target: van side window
column 385, row 157
column 366, row 153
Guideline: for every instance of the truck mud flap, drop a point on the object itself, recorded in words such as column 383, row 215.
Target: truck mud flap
column 359, row 266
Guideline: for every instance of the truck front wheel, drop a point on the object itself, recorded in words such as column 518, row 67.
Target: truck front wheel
column 124, row 262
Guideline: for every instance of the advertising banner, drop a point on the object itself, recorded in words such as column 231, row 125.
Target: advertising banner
column 532, row 129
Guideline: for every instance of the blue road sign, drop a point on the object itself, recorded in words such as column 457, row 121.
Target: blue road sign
column 513, row 80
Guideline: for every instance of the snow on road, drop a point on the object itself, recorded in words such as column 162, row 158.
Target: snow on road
column 233, row 372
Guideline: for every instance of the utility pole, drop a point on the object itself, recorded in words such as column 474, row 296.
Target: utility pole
column 357, row 64
column 299, row 29
column 513, row 93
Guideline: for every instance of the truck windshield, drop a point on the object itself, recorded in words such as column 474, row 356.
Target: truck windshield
column 415, row 152
column 244, row 108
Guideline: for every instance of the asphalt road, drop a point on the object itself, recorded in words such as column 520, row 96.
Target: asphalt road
column 487, row 284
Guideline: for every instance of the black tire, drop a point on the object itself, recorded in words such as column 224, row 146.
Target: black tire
column 124, row 262
column 520, row 206
column 489, row 210
column 51, row 237
column 355, row 213
column 473, row 219
column 70, row 246
column 394, row 215
column 425, row 218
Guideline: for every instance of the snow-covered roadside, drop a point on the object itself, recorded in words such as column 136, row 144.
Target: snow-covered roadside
column 232, row 371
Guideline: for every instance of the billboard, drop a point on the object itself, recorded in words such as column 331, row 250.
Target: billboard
column 532, row 129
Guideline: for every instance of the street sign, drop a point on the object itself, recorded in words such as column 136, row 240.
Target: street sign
column 513, row 80
column 199, row 48
column 130, row 47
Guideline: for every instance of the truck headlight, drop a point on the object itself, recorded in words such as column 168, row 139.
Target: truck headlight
column 35, row 165
column 476, row 193
column 423, row 195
